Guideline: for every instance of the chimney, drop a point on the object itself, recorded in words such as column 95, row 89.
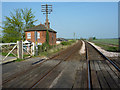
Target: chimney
column 48, row 24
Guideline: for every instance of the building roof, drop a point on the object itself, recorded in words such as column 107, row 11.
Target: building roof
column 61, row 39
column 40, row 27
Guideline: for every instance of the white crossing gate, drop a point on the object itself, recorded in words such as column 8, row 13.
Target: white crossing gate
column 20, row 46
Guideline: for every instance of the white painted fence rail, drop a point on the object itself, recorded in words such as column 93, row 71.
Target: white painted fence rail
column 1, row 44
column 9, row 52
column 19, row 46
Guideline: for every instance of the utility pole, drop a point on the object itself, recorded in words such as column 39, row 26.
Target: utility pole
column 74, row 35
column 46, row 9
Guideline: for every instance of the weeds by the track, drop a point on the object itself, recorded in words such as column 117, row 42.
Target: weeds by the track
column 107, row 44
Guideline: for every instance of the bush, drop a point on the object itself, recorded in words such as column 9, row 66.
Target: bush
column 68, row 42
column 65, row 43
column 94, row 38
column 72, row 41
column 44, row 47
column 39, row 48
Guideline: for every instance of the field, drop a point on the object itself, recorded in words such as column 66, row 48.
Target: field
column 108, row 44
column 108, row 41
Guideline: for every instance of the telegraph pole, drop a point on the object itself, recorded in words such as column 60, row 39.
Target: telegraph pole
column 46, row 9
column 74, row 35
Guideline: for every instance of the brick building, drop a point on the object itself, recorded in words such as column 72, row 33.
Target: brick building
column 38, row 34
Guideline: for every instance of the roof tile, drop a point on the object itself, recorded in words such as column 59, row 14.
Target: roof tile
column 40, row 27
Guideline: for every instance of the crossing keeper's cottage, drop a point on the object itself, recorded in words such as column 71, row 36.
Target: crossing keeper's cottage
column 37, row 34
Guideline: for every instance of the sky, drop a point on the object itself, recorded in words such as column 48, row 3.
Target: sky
column 86, row 19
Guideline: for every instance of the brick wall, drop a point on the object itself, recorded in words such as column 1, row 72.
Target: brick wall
column 42, row 38
column 52, row 38
column 32, row 36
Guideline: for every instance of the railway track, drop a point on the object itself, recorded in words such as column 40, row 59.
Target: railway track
column 61, row 71
column 58, row 55
column 105, row 58
column 101, row 63
column 62, row 56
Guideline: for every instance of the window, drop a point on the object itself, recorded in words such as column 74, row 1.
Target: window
column 38, row 35
column 28, row 35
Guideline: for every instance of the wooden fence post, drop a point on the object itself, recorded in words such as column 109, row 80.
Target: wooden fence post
column 20, row 49
column 33, row 49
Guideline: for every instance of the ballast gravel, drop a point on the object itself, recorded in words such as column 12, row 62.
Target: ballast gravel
column 106, row 53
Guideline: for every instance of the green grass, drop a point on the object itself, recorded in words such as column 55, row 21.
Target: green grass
column 108, row 48
column 57, row 48
column 18, row 60
column 107, row 44
column 107, row 41
column 4, row 54
column 50, row 52
column 65, row 43
column 68, row 42
column 26, row 55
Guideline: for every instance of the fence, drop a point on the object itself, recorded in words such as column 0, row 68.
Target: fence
column 18, row 49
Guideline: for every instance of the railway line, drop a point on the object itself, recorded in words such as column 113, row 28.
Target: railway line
column 64, row 55
column 57, row 56
column 69, row 69
column 100, row 71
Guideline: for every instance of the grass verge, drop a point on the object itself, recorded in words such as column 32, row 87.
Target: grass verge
column 57, row 48
column 107, row 44
column 107, row 47
column 107, row 41
column 18, row 60
column 4, row 54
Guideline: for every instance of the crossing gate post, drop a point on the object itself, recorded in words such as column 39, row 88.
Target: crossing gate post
column 20, row 49
column 33, row 49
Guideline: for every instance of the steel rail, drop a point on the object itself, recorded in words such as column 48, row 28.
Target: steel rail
column 88, row 68
column 46, row 74
column 13, row 76
column 27, row 70
column 106, row 58
column 50, row 71
column 89, row 76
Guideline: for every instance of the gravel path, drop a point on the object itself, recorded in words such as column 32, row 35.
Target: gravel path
column 106, row 53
